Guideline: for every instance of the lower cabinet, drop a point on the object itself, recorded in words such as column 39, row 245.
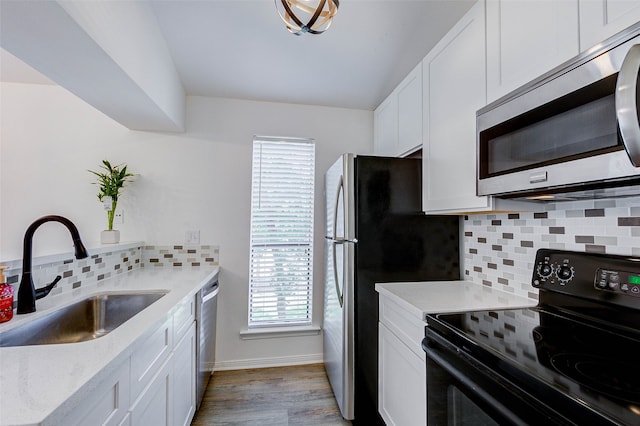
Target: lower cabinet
column 107, row 404
column 155, row 386
column 154, row 406
column 184, row 384
column 402, row 371
column 402, row 375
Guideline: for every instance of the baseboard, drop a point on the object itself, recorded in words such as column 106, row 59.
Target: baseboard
column 243, row 364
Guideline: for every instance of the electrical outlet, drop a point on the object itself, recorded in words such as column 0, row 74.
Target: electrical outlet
column 118, row 217
column 192, row 237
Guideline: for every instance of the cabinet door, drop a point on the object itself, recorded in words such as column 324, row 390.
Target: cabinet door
column 525, row 39
column 385, row 119
column 107, row 403
column 150, row 354
column 409, row 94
column 600, row 19
column 402, row 387
column 184, row 378
column 454, row 82
column 154, row 406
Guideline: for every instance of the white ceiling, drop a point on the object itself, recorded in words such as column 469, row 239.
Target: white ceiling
column 241, row 49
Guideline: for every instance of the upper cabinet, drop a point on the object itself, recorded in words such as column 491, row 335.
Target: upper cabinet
column 398, row 120
column 527, row 38
column 410, row 112
column 600, row 19
column 385, row 132
column 454, row 83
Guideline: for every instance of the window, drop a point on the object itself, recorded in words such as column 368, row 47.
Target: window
column 281, row 266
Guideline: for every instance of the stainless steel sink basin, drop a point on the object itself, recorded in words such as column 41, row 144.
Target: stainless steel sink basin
column 85, row 320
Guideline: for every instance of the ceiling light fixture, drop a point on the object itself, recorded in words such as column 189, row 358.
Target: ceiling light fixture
column 317, row 14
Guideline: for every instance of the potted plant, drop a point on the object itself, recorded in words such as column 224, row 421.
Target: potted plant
column 111, row 180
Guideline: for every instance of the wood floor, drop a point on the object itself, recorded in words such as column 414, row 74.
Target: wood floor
column 297, row 395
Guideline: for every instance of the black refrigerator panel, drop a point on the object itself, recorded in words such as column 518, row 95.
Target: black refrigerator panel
column 396, row 243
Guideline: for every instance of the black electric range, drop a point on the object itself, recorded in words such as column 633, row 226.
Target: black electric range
column 573, row 359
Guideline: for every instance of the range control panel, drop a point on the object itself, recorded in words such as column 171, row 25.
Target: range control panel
column 611, row 278
column 622, row 281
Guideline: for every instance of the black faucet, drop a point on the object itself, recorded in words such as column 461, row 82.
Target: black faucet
column 27, row 293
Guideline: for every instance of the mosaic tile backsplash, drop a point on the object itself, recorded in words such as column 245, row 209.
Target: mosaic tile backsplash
column 180, row 255
column 499, row 249
column 98, row 267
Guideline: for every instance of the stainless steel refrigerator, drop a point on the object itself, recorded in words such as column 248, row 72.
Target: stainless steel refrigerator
column 375, row 232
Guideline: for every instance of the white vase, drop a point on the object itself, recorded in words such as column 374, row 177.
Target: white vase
column 110, row 237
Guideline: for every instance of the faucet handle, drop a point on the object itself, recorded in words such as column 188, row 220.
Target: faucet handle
column 42, row 292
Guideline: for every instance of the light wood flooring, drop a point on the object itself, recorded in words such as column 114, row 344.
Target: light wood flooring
column 297, row 395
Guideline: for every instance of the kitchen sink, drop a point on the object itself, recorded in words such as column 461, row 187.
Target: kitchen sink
column 82, row 321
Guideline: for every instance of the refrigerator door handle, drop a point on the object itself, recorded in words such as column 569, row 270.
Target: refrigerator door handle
column 336, row 240
column 335, row 271
column 342, row 240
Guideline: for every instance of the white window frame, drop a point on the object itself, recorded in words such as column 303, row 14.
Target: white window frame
column 265, row 313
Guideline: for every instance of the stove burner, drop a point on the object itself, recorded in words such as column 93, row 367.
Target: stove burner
column 613, row 378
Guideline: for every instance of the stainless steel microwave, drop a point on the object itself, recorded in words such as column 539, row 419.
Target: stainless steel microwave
column 573, row 133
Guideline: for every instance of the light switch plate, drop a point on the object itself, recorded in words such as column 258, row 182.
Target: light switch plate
column 118, row 217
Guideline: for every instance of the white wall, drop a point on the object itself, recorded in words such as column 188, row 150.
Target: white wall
column 196, row 180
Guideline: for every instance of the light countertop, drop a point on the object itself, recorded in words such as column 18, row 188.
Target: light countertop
column 40, row 384
column 422, row 298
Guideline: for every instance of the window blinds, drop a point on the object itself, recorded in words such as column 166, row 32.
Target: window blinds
column 281, row 267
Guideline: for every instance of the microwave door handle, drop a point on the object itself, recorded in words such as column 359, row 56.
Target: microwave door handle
column 627, row 104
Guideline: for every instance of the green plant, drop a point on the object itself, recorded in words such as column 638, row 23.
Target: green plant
column 111, row 181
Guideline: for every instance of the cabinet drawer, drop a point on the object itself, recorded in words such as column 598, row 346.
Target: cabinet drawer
column 183, row 316
column 149, row 356
column 408, row 328
column 107, row 403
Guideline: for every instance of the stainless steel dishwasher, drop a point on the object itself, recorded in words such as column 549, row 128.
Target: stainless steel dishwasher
column 206, row 310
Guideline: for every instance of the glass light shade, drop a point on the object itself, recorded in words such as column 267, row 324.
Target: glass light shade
column 307, row 16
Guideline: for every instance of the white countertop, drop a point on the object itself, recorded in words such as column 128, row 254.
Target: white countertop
column 429, row 297
column 40, row 384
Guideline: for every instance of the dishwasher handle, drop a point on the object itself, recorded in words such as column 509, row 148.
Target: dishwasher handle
column 210, row 291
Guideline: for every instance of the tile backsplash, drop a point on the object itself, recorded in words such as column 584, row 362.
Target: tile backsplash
column 499, row 249
column 107, row 264
column 180, row 255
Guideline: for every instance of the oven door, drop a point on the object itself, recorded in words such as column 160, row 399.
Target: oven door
column 463, row 391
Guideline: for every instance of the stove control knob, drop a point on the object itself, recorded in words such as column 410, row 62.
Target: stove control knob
column 565, row 273
column 545, row 270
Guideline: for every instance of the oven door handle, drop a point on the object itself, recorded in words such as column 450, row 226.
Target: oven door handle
column 627, row 104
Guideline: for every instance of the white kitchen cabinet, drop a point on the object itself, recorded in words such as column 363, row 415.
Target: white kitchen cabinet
column 149, row 355
column 183, row 317
column 600, row 19
column 410, row 112
column 402, row 373
column 398, row 119
column 184, row 378
column 107, row 404
column 403, row 380
column 155, row 385
column 454, row 88
column 385, row 121
column 154, row 405
column 525, row 39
